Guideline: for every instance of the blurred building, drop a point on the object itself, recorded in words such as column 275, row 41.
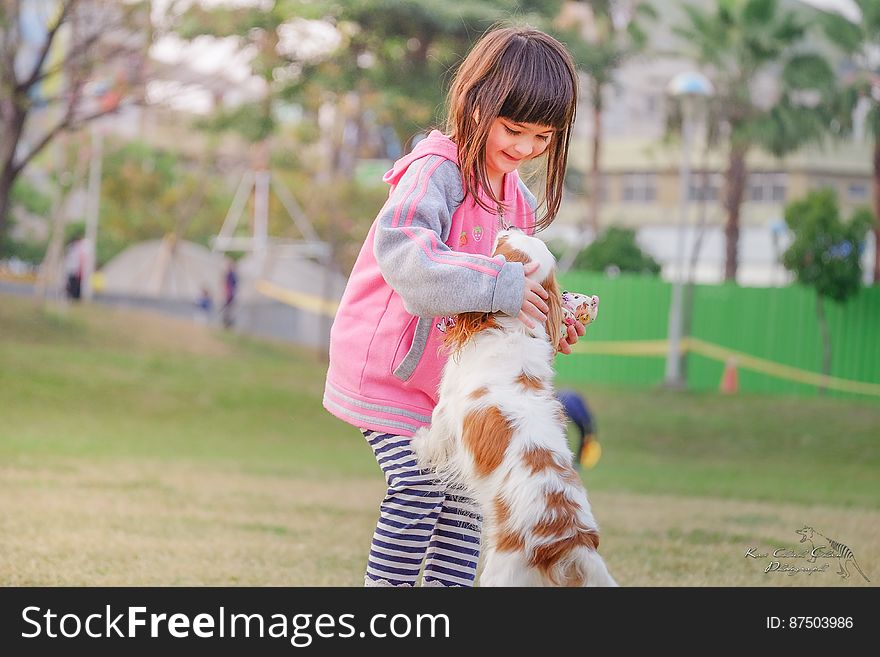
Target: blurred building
column 640, row 187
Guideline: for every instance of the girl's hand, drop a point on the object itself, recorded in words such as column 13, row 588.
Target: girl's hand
column 534, row 310
column 575, row 331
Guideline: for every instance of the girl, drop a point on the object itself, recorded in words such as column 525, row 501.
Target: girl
column 427, row 257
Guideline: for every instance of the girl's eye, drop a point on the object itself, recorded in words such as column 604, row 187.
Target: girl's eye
column 511, row 131
column 544, row 138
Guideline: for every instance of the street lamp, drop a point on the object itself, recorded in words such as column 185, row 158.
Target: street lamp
column 690, row 88
column 778, row 229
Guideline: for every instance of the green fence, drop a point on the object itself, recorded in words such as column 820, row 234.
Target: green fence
column 776, row 325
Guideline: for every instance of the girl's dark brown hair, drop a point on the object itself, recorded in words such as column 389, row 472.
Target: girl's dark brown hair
column 523, row 75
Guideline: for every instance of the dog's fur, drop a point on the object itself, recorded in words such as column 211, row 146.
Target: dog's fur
column 499, row 431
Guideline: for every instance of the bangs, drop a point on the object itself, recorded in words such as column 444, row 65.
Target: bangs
column 541, row 90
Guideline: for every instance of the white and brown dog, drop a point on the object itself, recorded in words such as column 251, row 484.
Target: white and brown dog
column 499, row 431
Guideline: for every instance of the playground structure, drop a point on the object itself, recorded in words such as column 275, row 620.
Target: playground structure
column 288, row 288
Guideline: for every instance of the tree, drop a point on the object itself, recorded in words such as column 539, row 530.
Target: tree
column 861, row 42
column 602, row 36
column 387, row 67
column 33, row 201
column 148, row 193
column 63, row 63
column 738, row 42
column 272, row 35
column 388, row 71
column 400, row 68
column 616, row 248
column 825, row 254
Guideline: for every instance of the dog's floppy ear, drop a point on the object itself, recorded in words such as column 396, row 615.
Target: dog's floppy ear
column 466, row 326
column 554, row 324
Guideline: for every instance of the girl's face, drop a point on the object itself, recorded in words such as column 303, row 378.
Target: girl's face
column 510, row 144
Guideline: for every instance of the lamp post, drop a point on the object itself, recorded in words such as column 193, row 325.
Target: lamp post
column 778, row 228
column 690, row 88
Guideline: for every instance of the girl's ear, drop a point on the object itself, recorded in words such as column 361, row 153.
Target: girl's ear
column 554, row 323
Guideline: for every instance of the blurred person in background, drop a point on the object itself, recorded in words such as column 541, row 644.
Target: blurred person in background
column 579, row 415
column 205, row 305
column 74, row 266
column 230, row 287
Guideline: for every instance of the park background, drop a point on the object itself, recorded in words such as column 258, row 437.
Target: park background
column 141, row 443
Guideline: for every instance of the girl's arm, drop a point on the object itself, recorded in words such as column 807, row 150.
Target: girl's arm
column 432, row 279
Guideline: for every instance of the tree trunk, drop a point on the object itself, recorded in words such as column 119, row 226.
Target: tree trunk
column 736, row 186
column 877, row 209
column 50, row 271
column 595, row 169
column 826, row 340
column 10, row 136
column 689, row 290
column 592, row 180
column 6, row 181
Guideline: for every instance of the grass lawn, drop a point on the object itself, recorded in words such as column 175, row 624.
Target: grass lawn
column 141, row 450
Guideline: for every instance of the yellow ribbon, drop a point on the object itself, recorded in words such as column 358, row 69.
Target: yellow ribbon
column 723, row 354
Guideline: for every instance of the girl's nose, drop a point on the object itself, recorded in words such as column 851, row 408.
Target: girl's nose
column 524, row 146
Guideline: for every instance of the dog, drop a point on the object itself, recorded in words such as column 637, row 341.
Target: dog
column 499, row 432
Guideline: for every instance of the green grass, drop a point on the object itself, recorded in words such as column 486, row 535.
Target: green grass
column 71, row 392
column 135, row 447
column 802, row 450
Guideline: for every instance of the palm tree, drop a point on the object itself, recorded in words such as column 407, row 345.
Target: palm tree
column 861, row 42
column 737, row 42
column 601, row 35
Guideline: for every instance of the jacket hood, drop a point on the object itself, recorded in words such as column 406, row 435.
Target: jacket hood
column 436, row 143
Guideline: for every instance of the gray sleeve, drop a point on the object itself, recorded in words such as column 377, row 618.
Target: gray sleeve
column 432, row 279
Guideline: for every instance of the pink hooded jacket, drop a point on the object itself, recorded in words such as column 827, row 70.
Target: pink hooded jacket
column 425, row 258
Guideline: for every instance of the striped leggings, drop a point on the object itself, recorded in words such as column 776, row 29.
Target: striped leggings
column 420, row 522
